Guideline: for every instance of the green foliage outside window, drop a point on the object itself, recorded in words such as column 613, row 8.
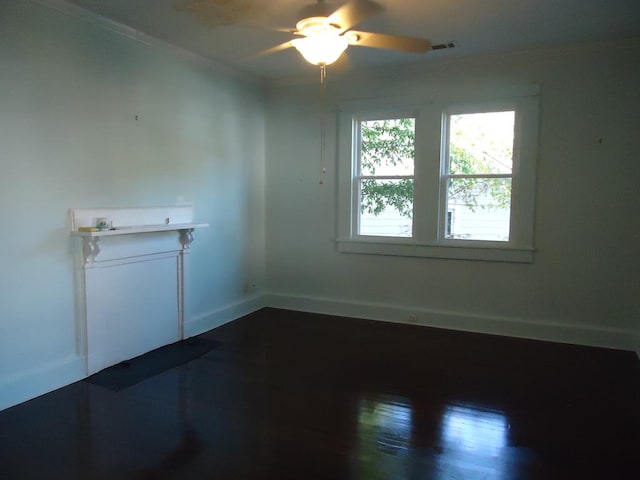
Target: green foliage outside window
column 391, row 144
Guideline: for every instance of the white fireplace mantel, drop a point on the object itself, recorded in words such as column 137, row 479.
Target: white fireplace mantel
column 131, row 280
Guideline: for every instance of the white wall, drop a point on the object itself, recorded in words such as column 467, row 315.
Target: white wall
column 70, row 91
column 584, row 283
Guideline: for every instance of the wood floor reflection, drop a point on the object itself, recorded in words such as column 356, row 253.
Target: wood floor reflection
column 288, row 395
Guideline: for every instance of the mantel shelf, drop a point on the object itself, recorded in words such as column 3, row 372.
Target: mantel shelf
column 141, row 229
column 131, row 221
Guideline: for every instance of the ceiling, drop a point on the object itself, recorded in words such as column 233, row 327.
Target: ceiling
column 231, row 31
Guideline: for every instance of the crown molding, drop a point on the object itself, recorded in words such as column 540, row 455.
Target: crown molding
column 83, row 15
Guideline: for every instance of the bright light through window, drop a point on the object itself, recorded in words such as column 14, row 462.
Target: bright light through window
column 475, row 437
column 478, row 176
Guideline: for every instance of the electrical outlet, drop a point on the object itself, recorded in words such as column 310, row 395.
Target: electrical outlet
column 413, row 318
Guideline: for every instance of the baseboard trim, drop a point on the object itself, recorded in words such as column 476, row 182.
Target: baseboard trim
column 18, row 388
column 618, row 339
column 15, row 389
column 209, row 320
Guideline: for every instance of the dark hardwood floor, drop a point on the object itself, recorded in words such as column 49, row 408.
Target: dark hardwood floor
column 286, row 395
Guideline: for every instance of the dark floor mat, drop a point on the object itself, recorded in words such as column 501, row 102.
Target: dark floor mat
column 136, row 370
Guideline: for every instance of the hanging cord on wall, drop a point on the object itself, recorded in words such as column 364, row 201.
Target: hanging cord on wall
column 323, row 116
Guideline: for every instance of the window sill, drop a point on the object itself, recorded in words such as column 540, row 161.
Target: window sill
column 403, row 248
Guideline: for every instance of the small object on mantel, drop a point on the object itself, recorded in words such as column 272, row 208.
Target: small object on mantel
column 103, row 223
column 88, row 229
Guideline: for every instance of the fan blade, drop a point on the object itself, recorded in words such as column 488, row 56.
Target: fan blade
column 390, row 42
column 269, row 51
column 353, row 13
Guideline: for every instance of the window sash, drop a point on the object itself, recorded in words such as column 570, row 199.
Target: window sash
column 358, row 203
column 358, row 178
column 446, row 176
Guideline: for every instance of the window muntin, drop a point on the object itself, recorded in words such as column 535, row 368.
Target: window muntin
column 476, row 181
column 385, row 176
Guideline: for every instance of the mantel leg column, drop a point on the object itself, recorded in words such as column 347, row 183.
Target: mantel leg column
column 186, row 239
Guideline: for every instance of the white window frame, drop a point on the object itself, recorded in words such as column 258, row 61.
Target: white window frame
column 429, row 215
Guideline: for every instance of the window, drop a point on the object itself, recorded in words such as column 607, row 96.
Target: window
column 477, row 175
column 439, row 179
column 384, row 176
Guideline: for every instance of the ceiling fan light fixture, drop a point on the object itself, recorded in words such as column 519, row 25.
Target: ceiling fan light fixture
column 323, row 32
column 323, row 48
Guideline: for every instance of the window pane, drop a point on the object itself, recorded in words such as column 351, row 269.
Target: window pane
column 481, row 143
column 388, row 146
column 478, row 209
column 386, row 207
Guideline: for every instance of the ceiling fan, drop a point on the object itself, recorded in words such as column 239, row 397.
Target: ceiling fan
column 323, row 32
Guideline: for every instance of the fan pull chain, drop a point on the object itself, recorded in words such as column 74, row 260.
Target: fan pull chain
column 323, row 115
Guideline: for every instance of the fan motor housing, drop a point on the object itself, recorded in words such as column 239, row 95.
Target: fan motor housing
column 316, row 26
